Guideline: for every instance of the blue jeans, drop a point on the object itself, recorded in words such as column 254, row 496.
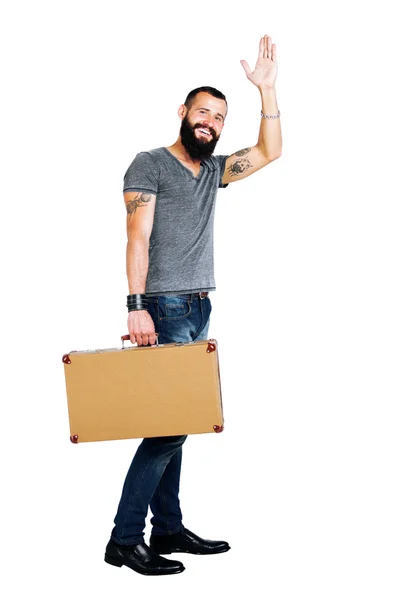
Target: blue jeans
column 154, row 475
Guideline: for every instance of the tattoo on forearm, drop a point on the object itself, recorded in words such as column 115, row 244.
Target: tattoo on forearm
column 242, row 152
column 141, row 199
column 239, row 166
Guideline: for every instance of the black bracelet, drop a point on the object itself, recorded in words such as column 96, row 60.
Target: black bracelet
column 136, row 297
column 137, row 302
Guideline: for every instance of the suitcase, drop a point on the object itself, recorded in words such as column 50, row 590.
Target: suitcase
column 143, row 391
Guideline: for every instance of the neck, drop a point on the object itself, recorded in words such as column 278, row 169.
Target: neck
column 179, row 150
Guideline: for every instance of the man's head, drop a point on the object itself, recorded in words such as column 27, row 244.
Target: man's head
column 203, row 116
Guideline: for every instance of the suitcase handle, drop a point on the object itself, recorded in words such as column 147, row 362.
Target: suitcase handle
column 125, row 338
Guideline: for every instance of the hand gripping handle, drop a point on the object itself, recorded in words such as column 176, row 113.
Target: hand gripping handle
column 125, row 338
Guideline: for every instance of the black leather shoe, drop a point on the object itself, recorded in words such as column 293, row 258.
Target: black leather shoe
column 186, row 541
column 141, row 559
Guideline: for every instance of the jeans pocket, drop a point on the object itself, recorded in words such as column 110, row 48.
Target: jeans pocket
column 174, row 310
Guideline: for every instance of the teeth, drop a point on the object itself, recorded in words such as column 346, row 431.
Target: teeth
column 205, row 131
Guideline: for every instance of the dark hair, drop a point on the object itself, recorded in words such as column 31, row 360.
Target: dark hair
column 210, row 90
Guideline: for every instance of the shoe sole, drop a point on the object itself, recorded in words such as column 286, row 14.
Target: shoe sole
column 180, row 550
column 116, row 562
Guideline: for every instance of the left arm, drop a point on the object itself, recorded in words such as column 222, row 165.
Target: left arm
column 245, row 162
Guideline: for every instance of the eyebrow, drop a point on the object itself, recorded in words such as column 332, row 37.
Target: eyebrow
column 208, row 110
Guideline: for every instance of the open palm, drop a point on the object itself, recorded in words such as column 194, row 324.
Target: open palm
column 266, row 68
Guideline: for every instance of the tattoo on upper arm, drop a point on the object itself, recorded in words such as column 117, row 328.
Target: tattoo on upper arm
column 239, row 166
column 243, row 152
column 141, row 199
column 242, row 164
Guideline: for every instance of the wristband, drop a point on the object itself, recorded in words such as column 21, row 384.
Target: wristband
column 137, row 302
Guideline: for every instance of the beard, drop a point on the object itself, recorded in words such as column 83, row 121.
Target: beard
column 197, row 148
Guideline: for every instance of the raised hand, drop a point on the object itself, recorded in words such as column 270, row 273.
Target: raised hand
column 266, row 69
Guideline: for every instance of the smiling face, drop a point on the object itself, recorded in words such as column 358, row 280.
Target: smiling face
column 202, row 124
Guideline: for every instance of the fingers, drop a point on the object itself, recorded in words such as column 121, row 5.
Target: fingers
column 261, row 48
column 143, row 338
column 268, row 48
column 152, row 338
column 245, row 67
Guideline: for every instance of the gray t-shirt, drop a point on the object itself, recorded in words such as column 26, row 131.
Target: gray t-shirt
column 181, row 253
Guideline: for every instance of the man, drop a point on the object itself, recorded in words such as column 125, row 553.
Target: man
column 169, row 194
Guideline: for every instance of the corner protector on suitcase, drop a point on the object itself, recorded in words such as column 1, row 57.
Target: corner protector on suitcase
column 74, row 439
column 66, row 359
column 218, row 428
column 211, row 347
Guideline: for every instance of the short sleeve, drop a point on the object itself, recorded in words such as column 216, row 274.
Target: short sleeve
column 221, row 159
column 142, row 175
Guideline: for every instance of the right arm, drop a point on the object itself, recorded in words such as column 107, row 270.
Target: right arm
column 140, row 208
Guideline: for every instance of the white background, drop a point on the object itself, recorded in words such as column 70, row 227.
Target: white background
column 304, row 481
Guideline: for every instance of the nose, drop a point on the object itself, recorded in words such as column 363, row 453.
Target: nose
column 209, row 122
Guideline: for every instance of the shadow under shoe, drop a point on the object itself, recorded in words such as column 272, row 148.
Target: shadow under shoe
column 141, row 559
column 186, row 541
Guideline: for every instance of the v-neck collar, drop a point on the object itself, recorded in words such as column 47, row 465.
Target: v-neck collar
column 195, row 177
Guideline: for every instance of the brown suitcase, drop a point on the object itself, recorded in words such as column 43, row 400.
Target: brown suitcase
column 143, row 391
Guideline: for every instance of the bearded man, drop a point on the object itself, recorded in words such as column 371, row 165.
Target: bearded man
column 170, row 195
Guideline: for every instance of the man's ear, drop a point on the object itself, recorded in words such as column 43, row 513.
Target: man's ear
column 182, row 111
